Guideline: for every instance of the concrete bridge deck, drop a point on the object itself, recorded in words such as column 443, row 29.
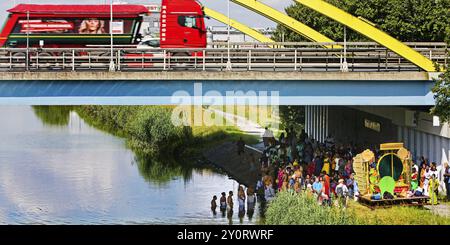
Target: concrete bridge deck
column 251, row 87
column 211, row 75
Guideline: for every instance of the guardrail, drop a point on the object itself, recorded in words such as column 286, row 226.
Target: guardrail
column 288, row 57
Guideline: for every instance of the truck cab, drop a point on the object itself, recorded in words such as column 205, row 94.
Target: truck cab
column 182, row 24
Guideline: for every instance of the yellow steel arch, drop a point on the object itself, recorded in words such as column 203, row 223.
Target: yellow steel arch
column 238, row 26
column 287, row 21
column 370, row 31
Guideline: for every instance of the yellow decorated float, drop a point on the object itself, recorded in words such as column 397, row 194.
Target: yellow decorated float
column 386, row 180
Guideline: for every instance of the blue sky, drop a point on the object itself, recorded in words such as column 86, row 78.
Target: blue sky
column 237, row 12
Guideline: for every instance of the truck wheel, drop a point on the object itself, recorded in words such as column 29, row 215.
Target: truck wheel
column 182, row 63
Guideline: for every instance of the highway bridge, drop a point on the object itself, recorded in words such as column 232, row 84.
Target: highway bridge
column 309, row 56
column 364, row 93
column 300, row 74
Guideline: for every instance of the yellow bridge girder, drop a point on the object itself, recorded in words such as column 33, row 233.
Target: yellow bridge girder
column 370, row 31
column 238, row 26
column 286, row 21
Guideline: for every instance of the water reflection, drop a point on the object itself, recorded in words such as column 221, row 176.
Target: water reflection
column 56, row 169
column 53, row 115
column 161, row 171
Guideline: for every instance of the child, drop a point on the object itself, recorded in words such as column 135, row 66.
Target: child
column 213, row 203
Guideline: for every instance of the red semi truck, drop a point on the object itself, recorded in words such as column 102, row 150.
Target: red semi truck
column 182, row 25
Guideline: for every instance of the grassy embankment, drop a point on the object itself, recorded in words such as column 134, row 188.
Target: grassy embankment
column 149, row 129
column 300, row 209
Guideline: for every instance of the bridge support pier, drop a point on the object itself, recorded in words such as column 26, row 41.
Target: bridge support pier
column 316, row 122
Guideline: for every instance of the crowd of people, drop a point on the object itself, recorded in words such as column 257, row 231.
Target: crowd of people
column 425, row 179
column 299, row 163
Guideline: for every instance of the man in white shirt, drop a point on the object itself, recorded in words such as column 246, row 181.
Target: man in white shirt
column 268, row 134
column 342, row 193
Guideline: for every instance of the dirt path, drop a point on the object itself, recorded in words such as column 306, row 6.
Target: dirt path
column 242, row 123
column 243, row 168
column 440, row 209
column 245, row 125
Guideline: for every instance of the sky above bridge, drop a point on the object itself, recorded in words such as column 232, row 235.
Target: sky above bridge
column 236, row 12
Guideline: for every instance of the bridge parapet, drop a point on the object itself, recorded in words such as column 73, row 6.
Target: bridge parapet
column 299, row 57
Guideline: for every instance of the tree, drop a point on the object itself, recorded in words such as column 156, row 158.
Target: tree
column 406, row 20
column 442, row 97
column 292, row 117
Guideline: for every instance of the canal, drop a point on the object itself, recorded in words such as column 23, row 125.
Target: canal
column 57, row 169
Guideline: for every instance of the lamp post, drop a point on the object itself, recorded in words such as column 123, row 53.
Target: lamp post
column 28, row 42
column 228, row 67
column 344, row 67
column 111, row 62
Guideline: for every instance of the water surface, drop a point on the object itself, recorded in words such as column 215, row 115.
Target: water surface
column 56, row 169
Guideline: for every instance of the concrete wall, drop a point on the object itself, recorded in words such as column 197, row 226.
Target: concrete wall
column 422, row 139
column 434, row 147
column 400, row 116
column 347, row 125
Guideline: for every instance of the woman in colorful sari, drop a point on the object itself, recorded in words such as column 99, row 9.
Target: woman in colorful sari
column 414, row 179
column 433, row 189
column 280, row 178
column 326, row 164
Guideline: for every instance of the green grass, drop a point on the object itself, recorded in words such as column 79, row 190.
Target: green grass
column 397, row 215
column 213, row 135
column 298, row 209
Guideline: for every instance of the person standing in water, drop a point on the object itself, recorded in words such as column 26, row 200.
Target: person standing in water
column 223, row 202
column 251, row 198
column 230, row 200
column 241, row 198
column 214, row 204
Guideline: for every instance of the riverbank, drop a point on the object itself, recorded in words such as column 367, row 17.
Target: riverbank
column 149, row 130
column 242, row 167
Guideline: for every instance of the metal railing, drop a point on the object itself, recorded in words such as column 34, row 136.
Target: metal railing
column 243, row 57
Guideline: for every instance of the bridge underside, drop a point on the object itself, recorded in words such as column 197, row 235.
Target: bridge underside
column 368, row 127
column 410, row 88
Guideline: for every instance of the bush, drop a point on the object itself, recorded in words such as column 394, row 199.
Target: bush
column 299, row 209
column 148, row 129
column 152, row 130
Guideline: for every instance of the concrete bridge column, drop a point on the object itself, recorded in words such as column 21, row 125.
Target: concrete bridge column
column 316, row 122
